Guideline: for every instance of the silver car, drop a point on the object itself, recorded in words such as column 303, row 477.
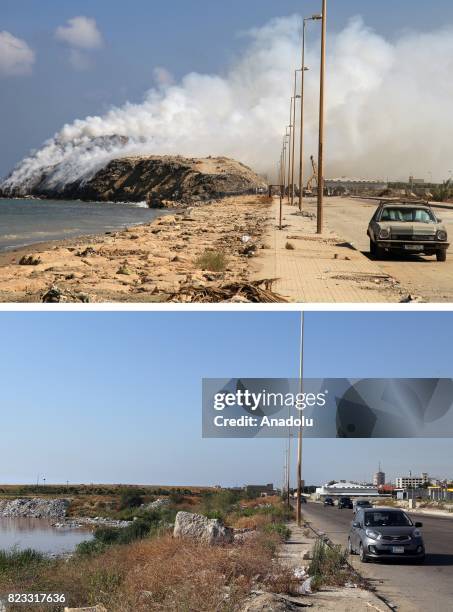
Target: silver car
column 385, row 533
column 407, row 228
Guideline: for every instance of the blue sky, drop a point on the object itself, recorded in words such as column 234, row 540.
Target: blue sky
column 199, row 35
column 115, row 397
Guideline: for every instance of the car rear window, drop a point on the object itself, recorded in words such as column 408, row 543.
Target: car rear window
column 383, row 518
column 410, row 215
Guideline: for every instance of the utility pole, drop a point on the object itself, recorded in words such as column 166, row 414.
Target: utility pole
column 320, row 221
column 299, row 438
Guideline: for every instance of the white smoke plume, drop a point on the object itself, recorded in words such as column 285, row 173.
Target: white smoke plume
column 388, row 109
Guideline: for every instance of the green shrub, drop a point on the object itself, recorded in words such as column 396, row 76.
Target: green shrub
column 329, row 565
column 131, row 498
column 280, row 529
column 90, row 547
column 16, row 559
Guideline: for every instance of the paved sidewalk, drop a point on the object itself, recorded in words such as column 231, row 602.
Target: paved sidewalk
column 334, row 599
column 315, row 269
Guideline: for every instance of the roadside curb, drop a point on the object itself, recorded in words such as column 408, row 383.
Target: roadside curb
column 322, row 535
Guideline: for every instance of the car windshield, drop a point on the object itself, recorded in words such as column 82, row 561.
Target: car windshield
column 363, row 503
column 384, row 518
column 409, row 215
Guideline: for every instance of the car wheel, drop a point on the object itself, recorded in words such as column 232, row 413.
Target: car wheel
column 375, row 251
column 363, row 557
column 351, row 551
column 441, row 255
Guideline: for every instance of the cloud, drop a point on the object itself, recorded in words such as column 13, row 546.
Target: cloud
column 81, row 32
column 16, row 57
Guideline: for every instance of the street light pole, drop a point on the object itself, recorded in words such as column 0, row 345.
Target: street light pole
column 293, row 121
column 321, row 122
column 301, row 148
column 287, row 160
column 289, row 145
column 299, row 438
column 302, row 108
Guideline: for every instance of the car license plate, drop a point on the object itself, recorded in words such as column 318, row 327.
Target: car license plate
column 413, row 247
column 398, row 550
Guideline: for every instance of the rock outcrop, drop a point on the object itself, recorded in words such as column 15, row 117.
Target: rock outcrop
column 199, row 528
column 160, row 180
column 158, row 504
column 34, row 507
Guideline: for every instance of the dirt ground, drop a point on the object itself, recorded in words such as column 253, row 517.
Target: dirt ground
column 155, row 262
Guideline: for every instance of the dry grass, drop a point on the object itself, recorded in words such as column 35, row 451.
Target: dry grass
column 265, row 199
column 158, row 574
column 213, row 261
column 257, row 521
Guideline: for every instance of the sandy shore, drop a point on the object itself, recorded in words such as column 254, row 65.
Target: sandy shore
column 154, row 262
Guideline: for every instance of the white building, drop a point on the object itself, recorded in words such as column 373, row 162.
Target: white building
column 411, row 482
column 379, row 478
column 346, row 489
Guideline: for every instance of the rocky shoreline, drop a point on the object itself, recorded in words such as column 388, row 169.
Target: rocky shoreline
column 159, row 261
column 81, row 522
column 34, row 507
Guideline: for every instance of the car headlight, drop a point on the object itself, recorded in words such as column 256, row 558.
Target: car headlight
column 372, row 534
column 384, row 233
column 417, row 533
column 441, row 235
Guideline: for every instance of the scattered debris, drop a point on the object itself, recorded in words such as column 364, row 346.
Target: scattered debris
column 270, row 602
column 252, row 292
column 124, row 269
column 54, row 295
column 29, row 260
column 411, row 298
column 88, row 252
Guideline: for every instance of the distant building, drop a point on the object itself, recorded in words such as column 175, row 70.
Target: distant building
column 379, row 477
column 346, row 489
column 260, row 490
column 346, row 186
column 411, row 482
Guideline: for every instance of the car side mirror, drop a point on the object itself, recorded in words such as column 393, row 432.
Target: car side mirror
column 439, row 220
column 419, row 524
column 356, row 524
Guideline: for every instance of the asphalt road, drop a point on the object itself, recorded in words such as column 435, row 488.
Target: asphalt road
column 421, row 276
column 412, row 587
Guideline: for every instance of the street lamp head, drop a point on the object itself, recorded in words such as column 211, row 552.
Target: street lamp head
column 316, row 17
